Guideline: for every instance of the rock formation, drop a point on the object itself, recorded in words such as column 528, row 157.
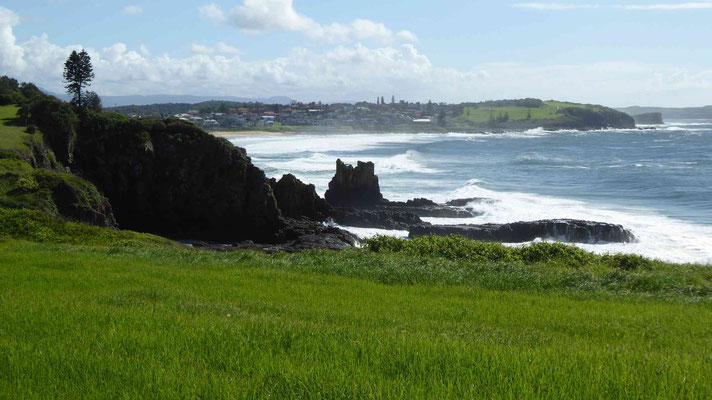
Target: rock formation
column 564, row 230
column 296, row 199
column 354, row 187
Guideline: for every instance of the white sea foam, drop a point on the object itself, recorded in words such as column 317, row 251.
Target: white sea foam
column 658, row 236
column 410, row 161
column 312, row 159
column 367, row 233
column 322, row 143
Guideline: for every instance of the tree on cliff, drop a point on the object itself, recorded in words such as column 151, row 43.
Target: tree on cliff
column 92, row 101
column 78, row 74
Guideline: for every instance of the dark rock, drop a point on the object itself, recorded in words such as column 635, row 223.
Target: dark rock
column 379, row 219
column 296, row 199
column 354, row 187
column 304, row 234
column 465, row 202
column 173, row 179
column 564, row 230
column 425, row 209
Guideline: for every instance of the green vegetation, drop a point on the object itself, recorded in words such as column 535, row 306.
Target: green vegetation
column 109, row 322
column 39, row 227
column 550, row 110
column 13, row 135
column 49, row 190
column 90, row 312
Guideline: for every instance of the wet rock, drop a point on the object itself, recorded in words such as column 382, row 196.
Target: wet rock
column 466, row 202
column 572, row 231
column 379, row 219
column 426, row 208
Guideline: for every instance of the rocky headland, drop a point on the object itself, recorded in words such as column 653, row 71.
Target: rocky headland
column 173, row 179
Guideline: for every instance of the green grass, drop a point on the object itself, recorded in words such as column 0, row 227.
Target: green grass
column 12, row 136
column 37, row 226
column 106, row 322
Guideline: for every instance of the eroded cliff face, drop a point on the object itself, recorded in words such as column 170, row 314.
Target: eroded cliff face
column 173, row 179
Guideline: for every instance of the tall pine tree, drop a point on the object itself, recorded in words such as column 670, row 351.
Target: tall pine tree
column 78, row 74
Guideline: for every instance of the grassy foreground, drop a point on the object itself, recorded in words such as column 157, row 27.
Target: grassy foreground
column 164, row 322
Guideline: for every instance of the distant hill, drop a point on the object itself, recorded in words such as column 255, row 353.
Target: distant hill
column 653, row 118
column 672, row 113
column 140, row 100
column 534, row 113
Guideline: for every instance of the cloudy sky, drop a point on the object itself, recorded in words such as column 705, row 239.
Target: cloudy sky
column 618, row 53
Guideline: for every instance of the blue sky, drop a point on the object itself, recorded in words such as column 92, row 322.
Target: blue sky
column 655, row 52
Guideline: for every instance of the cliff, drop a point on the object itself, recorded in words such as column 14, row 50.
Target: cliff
column 171, row 178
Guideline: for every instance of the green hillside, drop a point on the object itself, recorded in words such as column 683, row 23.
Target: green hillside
column 543, row 113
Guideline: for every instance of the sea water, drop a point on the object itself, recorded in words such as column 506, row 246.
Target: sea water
column 655, row 182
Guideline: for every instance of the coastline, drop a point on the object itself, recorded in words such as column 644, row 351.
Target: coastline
column 229, row 134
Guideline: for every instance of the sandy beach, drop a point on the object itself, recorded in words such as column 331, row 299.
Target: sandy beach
column 232, row 134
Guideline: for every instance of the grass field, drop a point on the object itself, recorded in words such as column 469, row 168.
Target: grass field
column 11, row 136
column 550, row 111
column 129, row 322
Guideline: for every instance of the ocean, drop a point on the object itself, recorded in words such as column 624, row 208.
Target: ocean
column 657, row 183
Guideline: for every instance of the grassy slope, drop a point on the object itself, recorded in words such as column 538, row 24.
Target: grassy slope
column 128, row 322
column 11, row 136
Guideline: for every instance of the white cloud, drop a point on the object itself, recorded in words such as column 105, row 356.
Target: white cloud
column 212, row 11
column 349, row 72
column 260, row 16
column 11, row 55
column 132, row 11
column 219, row 48
column 407, row 36
column 144, row 50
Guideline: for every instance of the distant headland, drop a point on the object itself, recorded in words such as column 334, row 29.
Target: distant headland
column 381, row 116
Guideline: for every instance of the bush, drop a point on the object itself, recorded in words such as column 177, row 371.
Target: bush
column 628, row 262
column 6, row 99
column 37, row 226
column 550, row 254
column 31, row 129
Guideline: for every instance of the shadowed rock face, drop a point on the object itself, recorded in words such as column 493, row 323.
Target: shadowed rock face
column 572, row 231
column 296, row 199
column 173, row 179
column 354, row 187
column 379, row 219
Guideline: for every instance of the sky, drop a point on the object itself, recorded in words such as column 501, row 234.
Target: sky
column 617, row 53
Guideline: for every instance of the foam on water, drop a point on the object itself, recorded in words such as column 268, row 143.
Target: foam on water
column 410, row 161
column 605, row 167
column 658, row 236
column 367, row 233
column 322, row 143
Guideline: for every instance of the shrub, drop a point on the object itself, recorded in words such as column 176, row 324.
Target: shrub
column 550, row 254
column 31, row 129
column 627, row 262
